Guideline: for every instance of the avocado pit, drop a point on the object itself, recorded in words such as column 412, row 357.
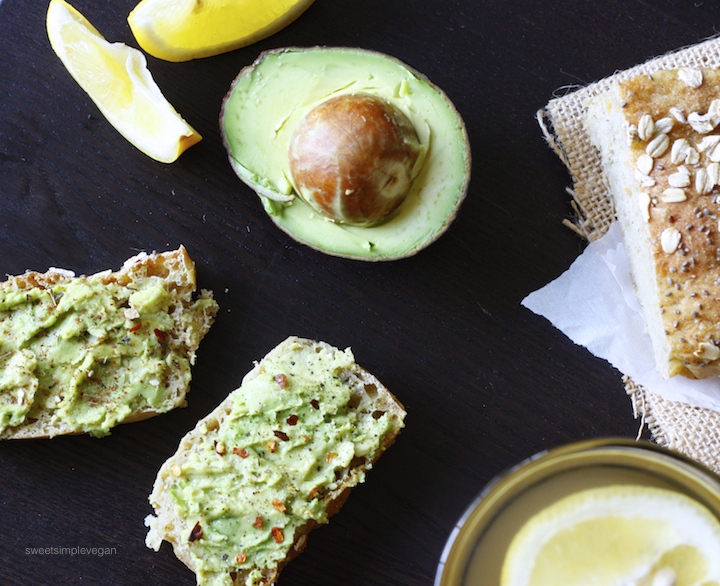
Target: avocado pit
column 353, row 158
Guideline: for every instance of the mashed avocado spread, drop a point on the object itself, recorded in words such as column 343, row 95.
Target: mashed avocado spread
column 289, row 437
column 86, row 353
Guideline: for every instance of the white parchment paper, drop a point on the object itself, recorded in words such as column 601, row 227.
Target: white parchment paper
column 594, row 304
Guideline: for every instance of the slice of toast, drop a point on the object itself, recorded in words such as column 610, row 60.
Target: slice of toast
column 272, row 462
column 83, row 354
column 659, row 140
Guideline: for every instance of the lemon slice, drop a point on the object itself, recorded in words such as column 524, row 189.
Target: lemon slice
column 180, row 30
column 617, row 536
column 116, row 78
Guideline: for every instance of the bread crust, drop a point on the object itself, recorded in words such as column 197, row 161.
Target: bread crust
column 655, row 135
column 370, row 396
column 177, row 271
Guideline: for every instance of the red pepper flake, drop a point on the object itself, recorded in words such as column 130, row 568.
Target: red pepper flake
column 315, row 404
column 281, row 380
column 240, row 558
column 277, row 534
column 242, row 452
column 160, row 335
column 281, row 435
column 258, row 524
column 292, row 420
column 279, row 505
column 272, row 446
column 312, row 493
column 94, row 379
column 135, row 328
column 196, row 532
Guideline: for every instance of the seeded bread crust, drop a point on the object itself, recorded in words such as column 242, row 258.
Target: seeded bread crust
column 369, row 397
column 657, row 138
column 178, row 271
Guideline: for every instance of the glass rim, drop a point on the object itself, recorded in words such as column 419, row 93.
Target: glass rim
column 487, row 505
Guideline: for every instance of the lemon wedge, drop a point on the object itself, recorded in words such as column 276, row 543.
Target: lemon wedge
column 617, row 536
column 180, row 30
column 116, row 78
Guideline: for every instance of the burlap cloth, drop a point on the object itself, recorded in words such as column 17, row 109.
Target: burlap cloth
column 687, row 429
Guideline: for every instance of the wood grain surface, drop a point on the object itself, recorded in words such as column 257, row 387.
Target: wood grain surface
column 485, row 382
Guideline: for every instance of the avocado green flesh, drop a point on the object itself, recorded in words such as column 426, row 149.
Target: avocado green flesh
column 70, row 351
column 268, row 100
column 225, row 493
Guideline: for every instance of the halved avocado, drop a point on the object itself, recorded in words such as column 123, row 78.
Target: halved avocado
column 270, row 97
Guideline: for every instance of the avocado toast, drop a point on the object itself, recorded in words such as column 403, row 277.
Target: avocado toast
column 273, row 461
column 83, row 354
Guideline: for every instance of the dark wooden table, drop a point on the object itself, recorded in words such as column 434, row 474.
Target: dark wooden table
column 485, row 382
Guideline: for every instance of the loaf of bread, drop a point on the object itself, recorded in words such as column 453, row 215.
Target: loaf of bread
column 81, row 354
column 659, row 142
column 272, row 462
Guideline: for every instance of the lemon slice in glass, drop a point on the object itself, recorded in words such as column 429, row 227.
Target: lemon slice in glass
column 617, row 536
column 180, row 30
column 116, row 78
